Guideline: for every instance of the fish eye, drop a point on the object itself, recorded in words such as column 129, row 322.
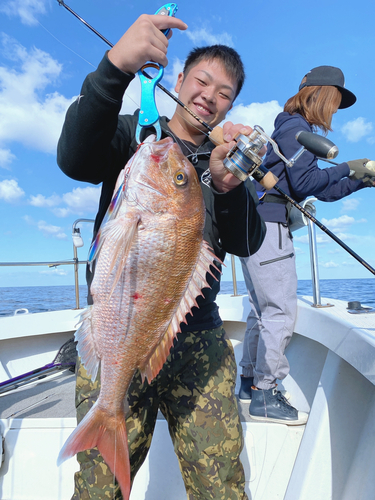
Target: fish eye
column 180, row 178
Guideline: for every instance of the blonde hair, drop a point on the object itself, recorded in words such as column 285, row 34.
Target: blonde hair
column 316, row 104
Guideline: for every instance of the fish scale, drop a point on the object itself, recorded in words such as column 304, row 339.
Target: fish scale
column 150, row 265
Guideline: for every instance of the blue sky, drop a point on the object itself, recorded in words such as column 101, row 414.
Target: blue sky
column 46, row 53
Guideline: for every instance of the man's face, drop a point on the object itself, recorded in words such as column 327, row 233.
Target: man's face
column 208, row 91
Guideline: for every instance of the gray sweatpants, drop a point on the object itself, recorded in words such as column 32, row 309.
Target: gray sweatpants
column 271, row 281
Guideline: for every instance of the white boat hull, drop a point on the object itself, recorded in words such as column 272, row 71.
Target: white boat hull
column 332, row 377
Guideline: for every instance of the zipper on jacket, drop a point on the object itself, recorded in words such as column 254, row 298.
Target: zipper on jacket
column 277, row 259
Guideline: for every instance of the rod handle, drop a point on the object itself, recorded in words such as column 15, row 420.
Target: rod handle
column 370, row 165
column 266, row 178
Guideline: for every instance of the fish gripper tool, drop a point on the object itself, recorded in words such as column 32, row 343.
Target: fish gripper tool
column 148, row 113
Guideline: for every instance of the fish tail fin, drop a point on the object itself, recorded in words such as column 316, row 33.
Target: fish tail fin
column 108, row 434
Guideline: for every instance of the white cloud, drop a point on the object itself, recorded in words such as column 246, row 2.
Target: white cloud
column 58, row 271
column 82, row 201
column 41, row 201
column 356, row 129
column 335, row 251
column 6, row 158
column 204, row 36
column 10, row 191
column 171, row 74
column 329, row 264
column 339, row 223
column 50, row 230
column 28, row 115
column 320, row 238
column 346, row 236
column 349, row 204
column 26, row 10
column 165, row 104
column 256, row 113
column 28, row 219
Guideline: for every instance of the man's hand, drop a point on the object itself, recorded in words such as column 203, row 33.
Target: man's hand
column 222, row 179
column 144, row 42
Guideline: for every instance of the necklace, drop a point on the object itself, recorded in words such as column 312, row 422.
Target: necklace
column 192, row 155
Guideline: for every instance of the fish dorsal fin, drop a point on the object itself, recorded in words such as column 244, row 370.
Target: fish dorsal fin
column 193, row 290
column 86, row 347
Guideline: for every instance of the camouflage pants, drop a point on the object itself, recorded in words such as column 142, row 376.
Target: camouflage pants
column 195, row 393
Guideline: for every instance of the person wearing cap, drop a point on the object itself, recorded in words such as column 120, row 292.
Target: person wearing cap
column 270, row 274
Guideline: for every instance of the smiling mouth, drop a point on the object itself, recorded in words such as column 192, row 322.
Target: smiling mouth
column 202, row 109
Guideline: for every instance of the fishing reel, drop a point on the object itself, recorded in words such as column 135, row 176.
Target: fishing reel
column 244, row 160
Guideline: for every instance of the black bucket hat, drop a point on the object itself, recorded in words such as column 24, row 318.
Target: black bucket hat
column 329, row 76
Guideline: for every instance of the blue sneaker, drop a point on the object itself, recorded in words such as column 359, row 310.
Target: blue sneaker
column 271, row 406
column 245, row 389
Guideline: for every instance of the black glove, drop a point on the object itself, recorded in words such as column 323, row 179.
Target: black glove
column 369, row 181
column 358, row 169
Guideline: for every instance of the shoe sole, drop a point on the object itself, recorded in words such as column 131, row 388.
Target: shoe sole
column 244, row 400
column 299, row 421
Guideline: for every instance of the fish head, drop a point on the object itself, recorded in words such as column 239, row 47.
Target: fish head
column 163, row 180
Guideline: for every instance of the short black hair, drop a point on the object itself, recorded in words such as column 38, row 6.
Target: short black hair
column 229, row 58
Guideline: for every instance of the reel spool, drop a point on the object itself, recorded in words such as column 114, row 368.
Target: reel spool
column 243, row 160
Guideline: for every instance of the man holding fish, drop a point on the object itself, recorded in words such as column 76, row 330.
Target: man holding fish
column 185, row 368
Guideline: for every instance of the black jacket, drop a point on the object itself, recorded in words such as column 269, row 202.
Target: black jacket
column 96, row 143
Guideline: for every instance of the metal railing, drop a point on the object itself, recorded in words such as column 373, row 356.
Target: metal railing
column 298, row 220
column 77, row 242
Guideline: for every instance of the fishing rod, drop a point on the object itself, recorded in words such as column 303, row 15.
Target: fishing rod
column 325, row 150
column 262, row 175
column 161, row 87
column 243, row 159
column 325, row 229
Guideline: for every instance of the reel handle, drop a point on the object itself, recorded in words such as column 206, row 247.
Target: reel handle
column 264, row 176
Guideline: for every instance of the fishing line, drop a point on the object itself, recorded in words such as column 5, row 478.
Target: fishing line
column 66, row 46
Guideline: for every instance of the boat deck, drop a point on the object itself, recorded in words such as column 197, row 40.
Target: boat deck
column 54, row 398
column 351, row 336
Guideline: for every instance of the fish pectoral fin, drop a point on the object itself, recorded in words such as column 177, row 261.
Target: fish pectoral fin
column 86, row 347
column 122, row 232
column 206, row 259
column 111, row 213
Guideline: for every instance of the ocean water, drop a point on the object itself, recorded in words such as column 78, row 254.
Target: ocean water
column 51, row 298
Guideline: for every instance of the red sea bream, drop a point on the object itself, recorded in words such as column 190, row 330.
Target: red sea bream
column 150, row 265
